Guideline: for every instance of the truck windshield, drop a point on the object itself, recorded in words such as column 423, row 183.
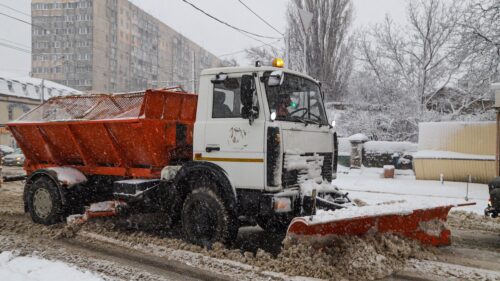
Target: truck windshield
column 298, row 99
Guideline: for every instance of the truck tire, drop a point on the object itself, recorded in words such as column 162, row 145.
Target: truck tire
column 206, row 220
column 276, row 224
column 44, row 201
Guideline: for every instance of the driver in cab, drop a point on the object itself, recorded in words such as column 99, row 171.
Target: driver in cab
column 284, row 103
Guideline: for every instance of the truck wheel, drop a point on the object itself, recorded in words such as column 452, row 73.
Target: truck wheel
column 44, row 202
column 274, row 223
column 206, row 220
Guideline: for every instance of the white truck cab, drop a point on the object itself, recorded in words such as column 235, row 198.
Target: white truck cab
column 267, row 129
column 288, row 123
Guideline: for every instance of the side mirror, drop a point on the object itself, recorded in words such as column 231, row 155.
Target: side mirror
column 247, row 92
column 276, row 78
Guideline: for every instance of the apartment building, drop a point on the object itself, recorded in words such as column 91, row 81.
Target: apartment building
column 111, row 46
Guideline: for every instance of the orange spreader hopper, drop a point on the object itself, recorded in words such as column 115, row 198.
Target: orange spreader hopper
column 425, row 224
column 124, row 135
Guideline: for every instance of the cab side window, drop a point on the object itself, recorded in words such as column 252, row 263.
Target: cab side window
column 226, row 99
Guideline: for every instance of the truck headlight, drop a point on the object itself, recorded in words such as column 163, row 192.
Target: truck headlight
column 273, row 161
column 282, row 204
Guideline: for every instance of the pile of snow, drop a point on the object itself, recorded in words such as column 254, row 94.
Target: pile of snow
column 358, row 138
column 398, row 208
column 390, row 147
column 309, row 167
column 19, row 268
column 368, row 185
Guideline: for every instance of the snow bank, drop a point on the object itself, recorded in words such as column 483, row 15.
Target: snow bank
column 17, row 268
column 366, row 184
column 400, row 208
column 437, row 154
column 389, row 147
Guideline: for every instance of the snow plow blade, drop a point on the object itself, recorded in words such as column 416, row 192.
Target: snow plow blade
column 425, row 224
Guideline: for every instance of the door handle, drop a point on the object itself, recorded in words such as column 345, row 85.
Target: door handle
column 212, row 148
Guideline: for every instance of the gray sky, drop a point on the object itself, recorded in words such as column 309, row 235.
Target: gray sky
column 212, row 35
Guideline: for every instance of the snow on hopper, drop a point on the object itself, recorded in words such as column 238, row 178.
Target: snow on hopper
column 426, row 224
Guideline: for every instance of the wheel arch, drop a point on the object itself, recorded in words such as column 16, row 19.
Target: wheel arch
column 59, row 176
column 193, row 169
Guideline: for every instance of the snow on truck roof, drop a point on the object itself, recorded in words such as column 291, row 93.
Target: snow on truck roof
column 239, row 69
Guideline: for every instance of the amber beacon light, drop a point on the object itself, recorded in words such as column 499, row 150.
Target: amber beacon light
column 277, row 62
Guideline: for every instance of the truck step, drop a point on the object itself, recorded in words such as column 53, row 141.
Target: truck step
column 134, row 187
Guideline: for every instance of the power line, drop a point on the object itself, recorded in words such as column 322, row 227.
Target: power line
column 15, row 43
column 15, row 48
column 16, row 10
column 18, row 19
column 244, row 50
column 227, row 24
column 253, row 12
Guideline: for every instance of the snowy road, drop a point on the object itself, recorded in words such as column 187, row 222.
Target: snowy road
column 108, row 253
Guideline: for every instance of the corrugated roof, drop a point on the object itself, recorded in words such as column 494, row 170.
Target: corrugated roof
column 29, row 87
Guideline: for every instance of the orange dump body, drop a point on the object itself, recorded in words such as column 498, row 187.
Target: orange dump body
column 130, row 135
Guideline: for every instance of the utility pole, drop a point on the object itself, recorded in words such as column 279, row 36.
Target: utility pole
column 194, row 73
column 42, row 92
column 305, row 19
column 287, row 50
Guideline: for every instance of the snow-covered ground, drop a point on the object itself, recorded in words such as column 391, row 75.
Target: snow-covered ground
column 25, row 268
column 368, row 185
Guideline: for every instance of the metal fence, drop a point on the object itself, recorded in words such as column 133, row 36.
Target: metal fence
column 87, row 107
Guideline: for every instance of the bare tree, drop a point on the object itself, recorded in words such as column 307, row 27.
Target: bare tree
column 482, row 26
column 480, row 40
column 410, row 67
column 229, row 62
column 329, row 57
column 263, row 54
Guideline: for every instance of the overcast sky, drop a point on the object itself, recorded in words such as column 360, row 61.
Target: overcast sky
column 212, row 35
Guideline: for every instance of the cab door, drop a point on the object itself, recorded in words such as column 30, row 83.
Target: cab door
column 230, row 140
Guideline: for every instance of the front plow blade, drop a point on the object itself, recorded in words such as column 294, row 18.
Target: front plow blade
column 425, row 224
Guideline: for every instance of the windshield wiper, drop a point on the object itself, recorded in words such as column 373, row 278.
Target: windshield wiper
column 311, row 121
column 296, row 118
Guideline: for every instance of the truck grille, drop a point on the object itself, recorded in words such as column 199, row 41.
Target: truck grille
column 290, row 178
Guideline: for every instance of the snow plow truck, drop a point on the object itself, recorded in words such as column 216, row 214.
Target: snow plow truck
column 253, row 147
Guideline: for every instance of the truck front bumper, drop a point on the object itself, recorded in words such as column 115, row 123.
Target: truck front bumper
column 292, row 201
